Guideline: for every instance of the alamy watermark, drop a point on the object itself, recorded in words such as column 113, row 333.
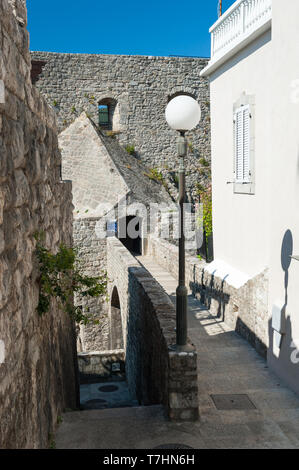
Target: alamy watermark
column 295, row 354
column 138, row 220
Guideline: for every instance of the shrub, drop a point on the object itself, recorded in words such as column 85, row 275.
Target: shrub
column 61, row 276
column 130, row 149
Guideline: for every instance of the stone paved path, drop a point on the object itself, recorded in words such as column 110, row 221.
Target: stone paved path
column 227, row 364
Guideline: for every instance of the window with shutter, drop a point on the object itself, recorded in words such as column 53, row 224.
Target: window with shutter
column 242, row 144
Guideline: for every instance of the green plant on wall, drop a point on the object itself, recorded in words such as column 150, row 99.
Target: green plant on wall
column 190, row 147
column 61, row 277
column 155, row 175
column 130, row 149
column 90, row 98
column 204, row 162
column 205, row 219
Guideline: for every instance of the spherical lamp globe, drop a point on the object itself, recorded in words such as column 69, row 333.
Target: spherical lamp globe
column 183, row 113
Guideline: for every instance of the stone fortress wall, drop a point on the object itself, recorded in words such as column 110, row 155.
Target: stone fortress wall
column 37, row 354
column 138, row 89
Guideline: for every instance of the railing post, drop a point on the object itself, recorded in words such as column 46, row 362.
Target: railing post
column 243, row 17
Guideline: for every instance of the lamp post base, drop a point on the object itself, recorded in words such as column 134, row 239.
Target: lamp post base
column 188, row 348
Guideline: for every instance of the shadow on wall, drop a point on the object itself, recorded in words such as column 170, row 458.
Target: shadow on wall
column 283, row 353
column 208, row 293
column 116, row 330
column 225, row 306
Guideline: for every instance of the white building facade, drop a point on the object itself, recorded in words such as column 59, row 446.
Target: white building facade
column 254, row 85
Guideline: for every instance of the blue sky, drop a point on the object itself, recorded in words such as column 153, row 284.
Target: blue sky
column 157, row 27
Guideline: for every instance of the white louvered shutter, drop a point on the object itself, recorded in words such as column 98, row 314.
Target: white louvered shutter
column 242, row 145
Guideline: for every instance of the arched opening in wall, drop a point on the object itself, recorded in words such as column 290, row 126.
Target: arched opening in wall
column 116, row 331
column 108, row 114
column 179, row 93
column 129, row 233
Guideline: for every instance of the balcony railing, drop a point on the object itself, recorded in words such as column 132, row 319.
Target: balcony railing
column 242, row 19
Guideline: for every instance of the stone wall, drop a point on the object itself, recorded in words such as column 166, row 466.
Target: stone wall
column 244, row 307
column 102, row 174
column 155, row 374
column 141, row 87
column 38, row 365
column 92, row 252
column 99, row 365
column 86, row 162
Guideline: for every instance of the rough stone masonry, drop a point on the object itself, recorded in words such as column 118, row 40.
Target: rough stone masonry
column 37, row 354
column 137, row 90
column 155, row 373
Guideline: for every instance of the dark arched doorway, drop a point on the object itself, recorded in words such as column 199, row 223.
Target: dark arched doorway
column 129, row 233
column 116, row 331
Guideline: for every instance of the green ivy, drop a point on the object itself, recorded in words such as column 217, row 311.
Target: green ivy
column 61, row 277
column 206, row 220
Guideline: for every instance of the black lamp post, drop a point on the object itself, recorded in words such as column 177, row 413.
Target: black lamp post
column 182, row 114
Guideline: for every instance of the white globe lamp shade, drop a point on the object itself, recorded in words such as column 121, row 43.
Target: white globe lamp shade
column 183, row 113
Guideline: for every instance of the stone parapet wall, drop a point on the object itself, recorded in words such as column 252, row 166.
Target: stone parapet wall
column 96, row 365
column 141, row 86
column 38, row 363
column 244, row 308
column 167, row 255
column 155, row 374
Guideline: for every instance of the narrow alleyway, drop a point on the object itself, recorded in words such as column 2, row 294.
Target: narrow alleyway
column 256, row 410
column 102, row 395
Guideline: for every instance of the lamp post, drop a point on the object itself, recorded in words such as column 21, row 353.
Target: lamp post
column 182, row 114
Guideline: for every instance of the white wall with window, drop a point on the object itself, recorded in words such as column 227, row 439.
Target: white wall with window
column 255, row 172
column 240, row 98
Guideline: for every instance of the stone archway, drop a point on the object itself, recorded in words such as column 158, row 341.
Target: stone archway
column 116, row 331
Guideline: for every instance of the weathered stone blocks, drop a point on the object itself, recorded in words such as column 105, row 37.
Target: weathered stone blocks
column 155, row 373
column 141, row 86
column 38, row 373
column 245, row 308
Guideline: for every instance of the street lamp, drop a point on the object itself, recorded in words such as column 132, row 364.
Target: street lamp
column 182, row 114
